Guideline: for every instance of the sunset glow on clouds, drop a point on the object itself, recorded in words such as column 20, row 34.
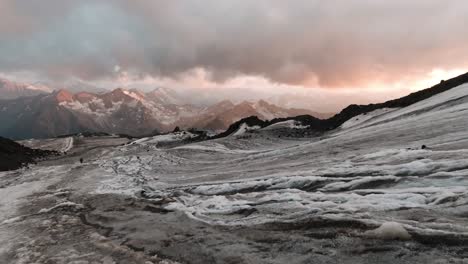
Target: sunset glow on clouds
column 342, row 51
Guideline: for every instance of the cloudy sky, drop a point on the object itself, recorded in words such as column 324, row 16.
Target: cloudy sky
column 322, row 50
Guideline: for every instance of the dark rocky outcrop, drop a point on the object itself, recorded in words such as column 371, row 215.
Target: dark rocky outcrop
column 250, row 121
column 14, row 156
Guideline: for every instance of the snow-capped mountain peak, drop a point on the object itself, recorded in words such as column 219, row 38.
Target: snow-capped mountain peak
column 63, row 96
column 165, row 96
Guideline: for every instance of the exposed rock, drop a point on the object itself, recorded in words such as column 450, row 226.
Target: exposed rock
column 14, row 155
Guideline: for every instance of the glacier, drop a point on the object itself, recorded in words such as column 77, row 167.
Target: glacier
column 389, row 186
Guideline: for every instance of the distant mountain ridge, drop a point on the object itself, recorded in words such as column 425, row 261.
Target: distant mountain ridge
column 122, row 111
column 221, row 115
column 12, row 90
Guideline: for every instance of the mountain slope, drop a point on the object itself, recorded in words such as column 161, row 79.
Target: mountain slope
column 351, row 111
column 354, row 110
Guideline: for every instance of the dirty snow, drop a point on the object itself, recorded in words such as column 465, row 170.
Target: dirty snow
column 309, row 199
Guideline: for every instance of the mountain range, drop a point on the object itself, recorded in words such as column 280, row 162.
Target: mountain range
column 13, row 90
column 29, row 111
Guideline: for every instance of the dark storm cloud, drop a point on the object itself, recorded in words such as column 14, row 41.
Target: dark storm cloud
column 334, row 43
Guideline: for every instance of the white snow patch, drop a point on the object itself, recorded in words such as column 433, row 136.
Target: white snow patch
column 389, row 231
column 68, row 144
column 245, row 128
column 167, row 138
column 353, row 184
column 12, row 220
column 60, row 205
column 133, row 95
column 291, row 124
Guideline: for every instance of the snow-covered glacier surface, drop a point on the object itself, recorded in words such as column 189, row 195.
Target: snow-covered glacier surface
column 389, row 186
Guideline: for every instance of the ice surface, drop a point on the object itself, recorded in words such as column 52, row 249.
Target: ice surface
column 368, row 180
column 370, row 168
